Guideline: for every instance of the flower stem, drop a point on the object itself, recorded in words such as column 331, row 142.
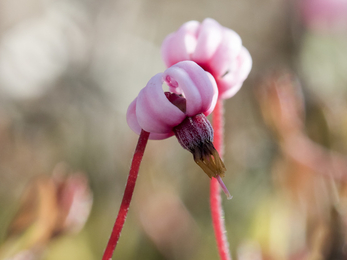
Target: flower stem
column 215, row 197
column 128, row 193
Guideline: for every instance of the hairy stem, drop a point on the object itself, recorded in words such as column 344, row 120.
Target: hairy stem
column 215, row 197
column 128, row 193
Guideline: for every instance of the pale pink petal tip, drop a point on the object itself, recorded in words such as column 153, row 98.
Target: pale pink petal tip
column 224, row 188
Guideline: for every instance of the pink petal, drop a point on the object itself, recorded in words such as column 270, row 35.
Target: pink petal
column 134, row 125
column 154, row 112
column 199, row 89
column 226, row 54
column 231, row 83
column 156, row 136
column 229, row 92
column 215, row 94
column 131, row 117
column 209, row 37
column 179, row 45
column 245, row 63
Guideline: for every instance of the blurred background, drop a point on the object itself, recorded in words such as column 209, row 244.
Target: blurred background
column 69, row 70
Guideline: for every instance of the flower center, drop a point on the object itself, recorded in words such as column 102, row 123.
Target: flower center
column 177, row 100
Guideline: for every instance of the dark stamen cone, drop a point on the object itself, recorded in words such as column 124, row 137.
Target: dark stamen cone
column 196, row 135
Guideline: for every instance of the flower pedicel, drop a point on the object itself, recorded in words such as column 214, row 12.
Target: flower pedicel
column 181, row 112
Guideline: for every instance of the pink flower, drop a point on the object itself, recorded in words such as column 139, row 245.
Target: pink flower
column 215, row 48
column 193, row 90
column 181, row 112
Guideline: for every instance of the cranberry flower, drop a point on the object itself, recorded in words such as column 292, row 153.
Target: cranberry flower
column 181, row 112
column 215, row 48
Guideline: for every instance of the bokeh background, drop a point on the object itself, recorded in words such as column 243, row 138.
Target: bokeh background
column 69, row 70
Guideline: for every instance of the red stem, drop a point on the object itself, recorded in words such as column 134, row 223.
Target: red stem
column 128, row 193
column 215, row 197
